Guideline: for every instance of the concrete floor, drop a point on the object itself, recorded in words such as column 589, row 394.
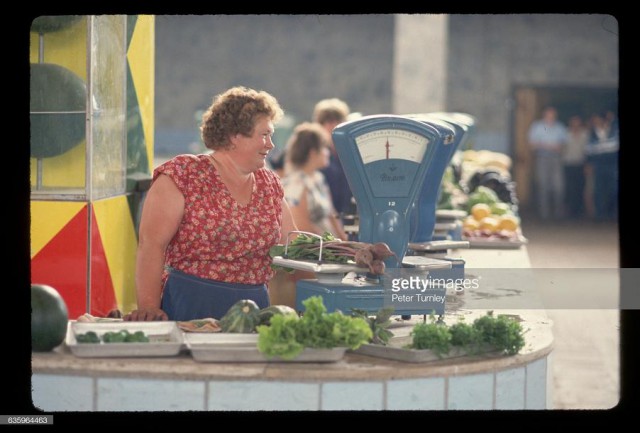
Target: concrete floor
column 586, row 356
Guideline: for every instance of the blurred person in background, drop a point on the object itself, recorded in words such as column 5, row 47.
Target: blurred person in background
column 574, row 167
column 305, row 187
column 602, row 156
column 329, row 113
column 548, row 138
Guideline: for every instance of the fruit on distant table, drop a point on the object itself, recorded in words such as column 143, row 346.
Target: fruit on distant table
column 489, row 223
column 480, row 211
column 508, row 222
column 470, row 223
column 49, row 317
column 500, row 208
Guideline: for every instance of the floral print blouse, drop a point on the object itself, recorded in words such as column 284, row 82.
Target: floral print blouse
column 218, row 238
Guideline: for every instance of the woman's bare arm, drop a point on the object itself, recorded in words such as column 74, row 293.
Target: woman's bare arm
column 161, row 215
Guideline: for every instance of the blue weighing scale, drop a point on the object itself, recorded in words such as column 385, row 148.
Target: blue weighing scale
column 424, row 239
column 386, row 159
column 448, row 224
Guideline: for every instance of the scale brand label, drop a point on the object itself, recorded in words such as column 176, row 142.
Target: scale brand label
column 384, row 177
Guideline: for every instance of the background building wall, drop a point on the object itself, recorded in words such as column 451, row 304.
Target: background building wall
column 378, row 64
column 300, row 59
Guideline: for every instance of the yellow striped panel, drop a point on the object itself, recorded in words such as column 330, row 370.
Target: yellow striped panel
column 48, row 218
column 119, row 240
column 141, row 57
column 117, row 234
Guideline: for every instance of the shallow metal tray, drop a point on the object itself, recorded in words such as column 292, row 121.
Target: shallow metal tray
column 422, row 262
column 318, row 268
column 496, row 243
column 450, row 214
column 444, row 226
column 396, row 352
column 228, row 347
column 438, row 245
column 165, row 339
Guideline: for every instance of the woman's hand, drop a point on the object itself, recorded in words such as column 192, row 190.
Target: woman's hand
column 146, row 315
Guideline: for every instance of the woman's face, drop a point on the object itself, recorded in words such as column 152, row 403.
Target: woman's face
column 321, row 157
column 251, row 152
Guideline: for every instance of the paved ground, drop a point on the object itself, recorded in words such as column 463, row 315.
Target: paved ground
column 586, row 358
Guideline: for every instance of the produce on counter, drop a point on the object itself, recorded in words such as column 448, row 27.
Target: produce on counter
column 485, row 223
column 502, row 185
column 470, row 174
column 267, row 313
column 123, row 336
column 483, row 195
column 49, row 318
column 487, row 333
column 288, row 335
column 242, row 317
column 88, row 337
column 451, row 194
column 378, row 324
column 205, row 325
column 334, row 250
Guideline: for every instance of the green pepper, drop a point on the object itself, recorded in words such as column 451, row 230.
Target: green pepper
column 115, row 337
column 89, row 337
column 136, row 337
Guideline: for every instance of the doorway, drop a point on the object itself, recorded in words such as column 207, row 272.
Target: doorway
column 529, row 102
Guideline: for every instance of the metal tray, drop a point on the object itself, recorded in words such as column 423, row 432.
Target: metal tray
column 422, row 262
column 318, row 268
column 450, row 214
column 397, row 353
column 496, row 243
column 227, row 347
column 165, row 339
column 444, row 226
column 438, row 245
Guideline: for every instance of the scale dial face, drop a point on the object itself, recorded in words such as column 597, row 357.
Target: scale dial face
column 391, row 144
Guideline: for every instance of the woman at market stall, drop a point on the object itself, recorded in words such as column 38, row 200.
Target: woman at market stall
column 305, row 187
column 209, row 220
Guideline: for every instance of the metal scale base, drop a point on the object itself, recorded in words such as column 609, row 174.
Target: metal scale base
column 368, row 295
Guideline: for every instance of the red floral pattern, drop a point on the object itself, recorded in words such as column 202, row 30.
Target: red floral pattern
column 219, row 238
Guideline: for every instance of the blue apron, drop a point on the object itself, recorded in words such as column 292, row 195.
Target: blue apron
column 187, row 297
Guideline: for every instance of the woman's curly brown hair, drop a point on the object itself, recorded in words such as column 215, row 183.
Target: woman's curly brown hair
column 236, row 112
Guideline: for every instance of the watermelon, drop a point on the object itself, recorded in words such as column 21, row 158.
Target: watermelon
column 267, row 313
column 242, row 317
column 49, row 318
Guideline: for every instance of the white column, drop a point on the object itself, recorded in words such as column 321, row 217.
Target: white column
column 420, row 63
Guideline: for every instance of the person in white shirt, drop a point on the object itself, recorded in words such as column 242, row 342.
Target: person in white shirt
column 547, row 138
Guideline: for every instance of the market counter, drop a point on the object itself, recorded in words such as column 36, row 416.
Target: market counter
column 64, row 382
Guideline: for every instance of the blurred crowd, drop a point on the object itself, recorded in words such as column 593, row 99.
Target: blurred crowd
column 576, row 166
